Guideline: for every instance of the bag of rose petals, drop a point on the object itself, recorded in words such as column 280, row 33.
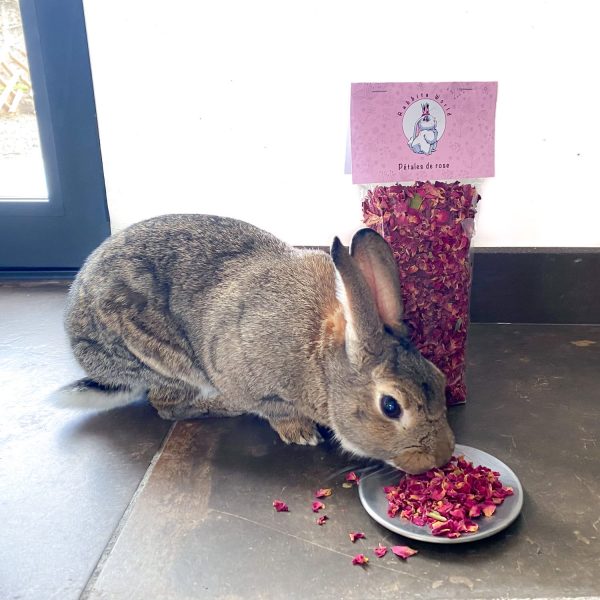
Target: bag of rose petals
column 429, row 227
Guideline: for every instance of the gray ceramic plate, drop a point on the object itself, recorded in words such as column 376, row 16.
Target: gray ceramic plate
column 374, row 501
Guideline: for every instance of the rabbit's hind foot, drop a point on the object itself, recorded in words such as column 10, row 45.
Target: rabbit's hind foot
column 182, row 412
column 178, row 404
column 297, row 430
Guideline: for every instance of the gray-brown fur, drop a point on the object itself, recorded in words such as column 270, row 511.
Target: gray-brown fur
column 213, row 316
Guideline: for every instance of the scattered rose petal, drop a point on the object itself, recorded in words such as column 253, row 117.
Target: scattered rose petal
column 280, row 506
column 403, row 551
column 468, row 493
column 317, row 506
column 380, row 551
column 356, row 535
column 360, row 559
column 347, row 485
column 352, row 477
column 321, row 520
column 323, row 493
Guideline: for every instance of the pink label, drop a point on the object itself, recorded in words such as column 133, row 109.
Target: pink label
column 421, row 131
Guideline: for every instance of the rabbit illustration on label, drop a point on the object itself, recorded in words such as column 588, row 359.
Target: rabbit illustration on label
column 425, row 134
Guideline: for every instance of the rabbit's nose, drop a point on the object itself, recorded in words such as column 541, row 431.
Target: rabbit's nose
column 414, row 462
column 419, row 460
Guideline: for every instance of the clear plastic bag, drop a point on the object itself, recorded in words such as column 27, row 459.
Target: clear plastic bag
column 429, row 227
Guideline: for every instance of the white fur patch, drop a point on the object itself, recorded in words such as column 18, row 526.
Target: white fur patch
column 351, row 339
column 94, row 399
column 349, row 446
column 207, row 391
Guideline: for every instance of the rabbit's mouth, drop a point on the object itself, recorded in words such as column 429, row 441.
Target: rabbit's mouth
column 416, row 459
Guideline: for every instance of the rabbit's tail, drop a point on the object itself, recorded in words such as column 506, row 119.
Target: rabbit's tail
column 89, row 394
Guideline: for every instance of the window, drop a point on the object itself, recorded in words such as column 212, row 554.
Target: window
column 50, row 218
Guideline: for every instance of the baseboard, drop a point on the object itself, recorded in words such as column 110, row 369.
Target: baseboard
column 510, row 285
column 13, row 275
column 536, row 285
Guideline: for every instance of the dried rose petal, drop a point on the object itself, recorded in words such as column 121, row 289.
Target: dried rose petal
column 317, row 506
column 403, row 551
column 280, row 506
column 323, row 493
column 356, row 535
column 360, row 559
column 469, row 526
column 419, row 521
column 321, row 520
column 352, row 477
column 347, row 485
column 380, row 551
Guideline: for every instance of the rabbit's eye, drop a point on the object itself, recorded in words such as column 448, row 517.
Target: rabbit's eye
column 390, row 407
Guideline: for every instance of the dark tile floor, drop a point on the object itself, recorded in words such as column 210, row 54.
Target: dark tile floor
column 65, row 478
column 89, row 502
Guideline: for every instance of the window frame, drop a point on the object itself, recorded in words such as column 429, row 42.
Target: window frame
column 50, row 238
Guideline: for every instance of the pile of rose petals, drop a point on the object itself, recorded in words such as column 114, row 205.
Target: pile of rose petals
column 429, row 228
column 448, row 498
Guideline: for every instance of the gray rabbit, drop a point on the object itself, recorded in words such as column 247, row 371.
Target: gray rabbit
column 211, row 316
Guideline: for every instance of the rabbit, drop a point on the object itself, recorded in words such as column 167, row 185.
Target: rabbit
column 425, row 135
column 211, row 316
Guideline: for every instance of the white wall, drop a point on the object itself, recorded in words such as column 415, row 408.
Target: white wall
column 241, row 108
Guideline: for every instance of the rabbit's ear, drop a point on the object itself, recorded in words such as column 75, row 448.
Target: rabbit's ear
column 376, row 262
column 417, row 129
column 363, row 327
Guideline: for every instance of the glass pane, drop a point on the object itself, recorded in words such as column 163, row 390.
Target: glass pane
column 22, row 175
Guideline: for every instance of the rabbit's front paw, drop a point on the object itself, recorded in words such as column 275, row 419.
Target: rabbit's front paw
column 297, row 430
